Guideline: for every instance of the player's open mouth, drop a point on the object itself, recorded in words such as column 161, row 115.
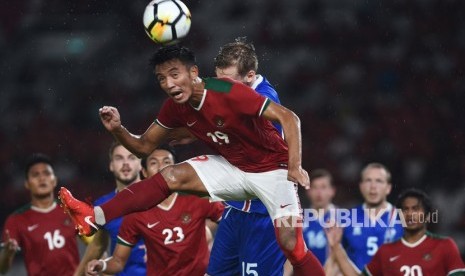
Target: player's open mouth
column 177, row 95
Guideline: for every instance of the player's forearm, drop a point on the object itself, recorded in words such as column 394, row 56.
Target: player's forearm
column 93, row 251
column 331, row 268
column 291, row 128
column 114, row 265
column 6, row 259
column 137, row 144
column 341, row 258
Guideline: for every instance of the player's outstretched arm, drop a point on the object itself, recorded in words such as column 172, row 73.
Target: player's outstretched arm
column 334, row 236
column 7, row 253
column 291, row 127
column 111, row 265
column 140, row 145
column 94, row 250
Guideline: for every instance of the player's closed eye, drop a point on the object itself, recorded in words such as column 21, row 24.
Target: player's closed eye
column 161, row 79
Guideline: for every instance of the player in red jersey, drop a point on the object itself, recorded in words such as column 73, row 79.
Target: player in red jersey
column 417, row 253
column 253, row 161
column 174, row 231
column 40, row 230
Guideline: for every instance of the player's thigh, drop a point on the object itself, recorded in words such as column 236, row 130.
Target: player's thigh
column 224, row 257
column 259, row 250
column 222, row 180
column 278, row 194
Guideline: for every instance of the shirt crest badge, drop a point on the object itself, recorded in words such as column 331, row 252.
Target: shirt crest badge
column 186, row 218
column 219, row 121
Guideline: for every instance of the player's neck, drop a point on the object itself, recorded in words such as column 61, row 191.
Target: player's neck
column 414, row 236
column 43, row 202
column 198, row 93
column 120, row 186
column 381, row 207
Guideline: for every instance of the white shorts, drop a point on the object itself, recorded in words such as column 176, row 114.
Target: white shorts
column 224, row 181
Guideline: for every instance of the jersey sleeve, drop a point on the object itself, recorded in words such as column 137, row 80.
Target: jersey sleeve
column 215, row 211
column 453, row 261
column 12, row 227
column 128, row 234
column 247, row 101
column 167, row 117
column 374, row 267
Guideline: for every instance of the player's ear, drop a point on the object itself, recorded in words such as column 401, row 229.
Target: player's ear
column 389, row 188
column 194, row 72
column 110, row 166
column 26, row 185
column 250, row 77
column 54, row 182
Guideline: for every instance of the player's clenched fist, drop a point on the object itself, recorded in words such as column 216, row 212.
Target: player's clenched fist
column 94, row 267
column 110, row 117
column 299, row 175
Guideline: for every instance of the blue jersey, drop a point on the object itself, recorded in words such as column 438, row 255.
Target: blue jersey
column 362, row 237
column 135, row 264
column 263, row 87
column 245, row 244
column 315, row 236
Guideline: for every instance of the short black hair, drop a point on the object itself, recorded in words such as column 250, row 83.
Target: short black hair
column 422, row 197
column 171, row 52
column 166, row 147
column 37, row 158
column 318, row 173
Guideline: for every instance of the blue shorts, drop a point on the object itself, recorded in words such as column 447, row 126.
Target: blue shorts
column 245, row 243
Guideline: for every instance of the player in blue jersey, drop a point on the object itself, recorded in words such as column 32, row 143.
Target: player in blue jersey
column 374, row 222
column 245, row 242
column 321, row 210
column 126, row 168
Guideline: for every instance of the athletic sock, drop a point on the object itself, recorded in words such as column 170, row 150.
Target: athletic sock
column 302, row 260
column 309, row 265
column 136, row 197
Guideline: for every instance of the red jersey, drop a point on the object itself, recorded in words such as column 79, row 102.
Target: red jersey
column 175, row 236
column 431, row 255
column 229, row 120
column 47, row 238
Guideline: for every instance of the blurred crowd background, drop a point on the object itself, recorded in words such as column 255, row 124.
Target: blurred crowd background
column 371, row 81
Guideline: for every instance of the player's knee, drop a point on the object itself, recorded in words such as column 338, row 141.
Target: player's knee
column 175, row 177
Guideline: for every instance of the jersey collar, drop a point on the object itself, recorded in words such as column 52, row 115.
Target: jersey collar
column 171, row 205
column 415, row 244
column 202, row 101
column 389, row 208
column 44, row 210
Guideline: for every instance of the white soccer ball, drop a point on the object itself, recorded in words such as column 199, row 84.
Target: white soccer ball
column 167, row 21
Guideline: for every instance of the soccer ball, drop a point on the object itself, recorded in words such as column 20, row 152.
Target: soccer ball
column 167, row 21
